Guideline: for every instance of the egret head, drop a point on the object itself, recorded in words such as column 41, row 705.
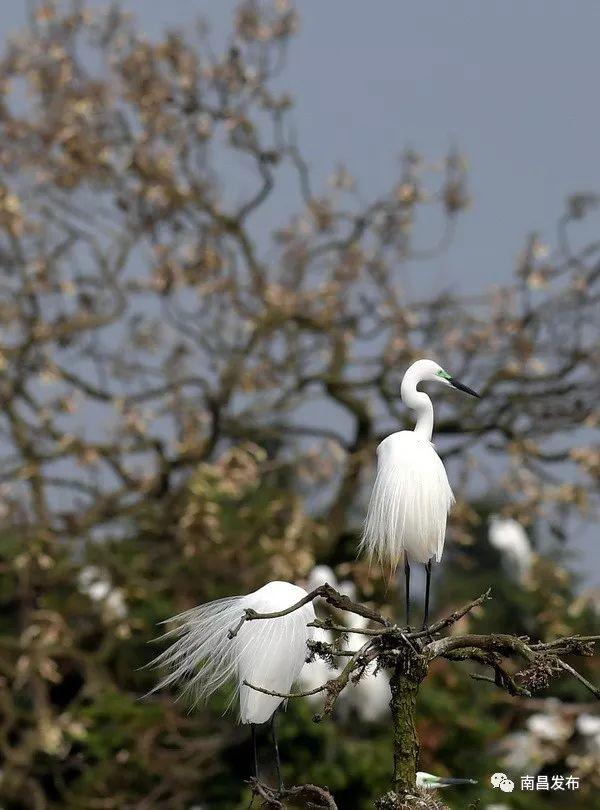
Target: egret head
column 429, row 371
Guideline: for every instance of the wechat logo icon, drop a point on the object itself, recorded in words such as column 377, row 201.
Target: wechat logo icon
column 501, row 780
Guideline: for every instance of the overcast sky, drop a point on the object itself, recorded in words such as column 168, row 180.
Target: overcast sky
column 513, row 84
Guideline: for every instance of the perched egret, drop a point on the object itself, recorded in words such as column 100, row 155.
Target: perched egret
column 431, row 782
column 411, row 498
column 510, row 539
column 267, row 653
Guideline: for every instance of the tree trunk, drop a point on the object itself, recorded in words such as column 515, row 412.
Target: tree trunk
column 405, row 682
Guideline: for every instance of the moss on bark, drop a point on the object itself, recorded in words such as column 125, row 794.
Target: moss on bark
column 406, row 680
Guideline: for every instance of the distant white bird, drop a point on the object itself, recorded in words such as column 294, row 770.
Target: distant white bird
column 550, row 727
column 370, row 697
column 411, row 497
column 267, row 653
column 321, row 575
column 347, row 588
column 588, row 725
column 511, row 540
column 431, row 782
column 96, row 583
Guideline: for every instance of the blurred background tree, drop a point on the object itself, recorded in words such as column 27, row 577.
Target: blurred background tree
column 191, row 407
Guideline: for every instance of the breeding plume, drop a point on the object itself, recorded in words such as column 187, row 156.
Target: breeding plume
column 411, row 497
column 268, row 653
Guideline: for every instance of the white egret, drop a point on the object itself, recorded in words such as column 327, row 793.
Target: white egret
column 267, row 653
column 411, row 498
column 321, row 575
column 347, row 588
column 370, row 697
column 588, row 725
column 510, row 539
column 549, row 726
column 431, row 782
column 95, row 583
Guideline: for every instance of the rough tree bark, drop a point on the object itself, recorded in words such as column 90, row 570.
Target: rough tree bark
column 408, row 674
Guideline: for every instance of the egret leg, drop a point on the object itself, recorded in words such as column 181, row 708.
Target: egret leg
column 427, row 587
column 254, row 750
column 407, row 588
column 276, row 749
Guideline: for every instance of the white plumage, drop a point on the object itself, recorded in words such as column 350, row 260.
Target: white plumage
column 410, row 502
column 268, row 653
column 511, row 540
column 321, row 575
column 371, row 696
column 411, row 497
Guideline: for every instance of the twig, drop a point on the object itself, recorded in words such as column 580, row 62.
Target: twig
column 494, row 642
column 327, row 593
column 333, row 686
column 588, row 685
column 287, row 695
column 326, row 625
column 307, row 796
column 453, row 617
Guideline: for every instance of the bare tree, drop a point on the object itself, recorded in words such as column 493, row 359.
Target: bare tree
column 152, row 337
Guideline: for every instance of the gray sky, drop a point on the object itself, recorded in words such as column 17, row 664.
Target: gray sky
column 513, row 84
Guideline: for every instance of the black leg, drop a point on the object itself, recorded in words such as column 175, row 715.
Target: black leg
column 407, row 588
column 276, row 749
column 427, row 587
column 254, row 749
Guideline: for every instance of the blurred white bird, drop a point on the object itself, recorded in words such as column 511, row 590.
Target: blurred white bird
column 588, row 725
column 267, row 653
column 411, row 498
column 370, row 697
column 347, row 588
column 550, row 727
column 321, row 575
column 431, row 782
column 96, row 583
column 510, row 539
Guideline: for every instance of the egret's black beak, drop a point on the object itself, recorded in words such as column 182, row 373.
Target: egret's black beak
column 456, row 384
column 451, row 781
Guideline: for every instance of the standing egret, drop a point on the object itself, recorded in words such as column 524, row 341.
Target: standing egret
column 411, row 497
column 267, row 653
column 510, row 539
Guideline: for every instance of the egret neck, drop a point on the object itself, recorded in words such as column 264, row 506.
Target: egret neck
column 419, row 402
